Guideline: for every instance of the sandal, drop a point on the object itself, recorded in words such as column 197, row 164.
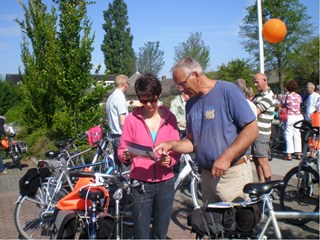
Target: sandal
column 298, row 156
column 287, row 158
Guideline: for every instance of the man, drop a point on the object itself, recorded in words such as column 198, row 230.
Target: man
column 117, row 111
column 311, row 101
column 178, row 108
column 220, row 127
column 265, row 113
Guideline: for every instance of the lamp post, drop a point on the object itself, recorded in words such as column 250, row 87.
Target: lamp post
column 261, row 52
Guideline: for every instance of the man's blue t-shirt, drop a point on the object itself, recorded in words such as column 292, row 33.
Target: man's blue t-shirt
column 215, row 119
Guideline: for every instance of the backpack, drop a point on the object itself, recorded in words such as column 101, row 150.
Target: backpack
column 224, row 222
column 213, row 222
column 31, row 180
column 64, row 224
column 247, row 217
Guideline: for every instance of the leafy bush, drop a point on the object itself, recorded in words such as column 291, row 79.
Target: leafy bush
column 38, row 143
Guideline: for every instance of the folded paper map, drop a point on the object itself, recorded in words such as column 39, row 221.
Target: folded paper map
column 140, row 150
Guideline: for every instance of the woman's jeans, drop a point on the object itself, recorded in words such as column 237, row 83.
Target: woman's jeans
column 156, row 201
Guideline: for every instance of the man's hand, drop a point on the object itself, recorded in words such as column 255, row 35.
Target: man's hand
column 220, row 167
column 163, row 148
column 164, row 160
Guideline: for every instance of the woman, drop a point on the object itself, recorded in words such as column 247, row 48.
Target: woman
column 150, row 125
column 292, row 135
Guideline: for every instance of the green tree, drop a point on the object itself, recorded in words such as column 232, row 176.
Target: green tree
column 237, row 68
column 277, row 56
column 75, row 42
column 305, row 62
column 194, row 47
column 41, row 63
column 117, row 48
column 10, row 95
column 150, row 58
column 56, row 80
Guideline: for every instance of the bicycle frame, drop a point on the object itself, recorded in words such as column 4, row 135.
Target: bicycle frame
column 56, row 184
column 273, row 217
column 186, row 158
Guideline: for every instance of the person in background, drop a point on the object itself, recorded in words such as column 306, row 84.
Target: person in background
column 2, row 135
column 265, row 114
column 311, row 101
column 241, row 83
column 220, row 128
column 150, row 125
column 117, row 110
column 178, row 108
column 292, row 134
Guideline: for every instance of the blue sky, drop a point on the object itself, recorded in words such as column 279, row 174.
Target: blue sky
column 168, row 21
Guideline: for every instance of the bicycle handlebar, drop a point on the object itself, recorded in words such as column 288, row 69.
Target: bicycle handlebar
column 114, row 178
column 303, row 125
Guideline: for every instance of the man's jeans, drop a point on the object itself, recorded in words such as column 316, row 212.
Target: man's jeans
column 157, row 200
column 119, row 165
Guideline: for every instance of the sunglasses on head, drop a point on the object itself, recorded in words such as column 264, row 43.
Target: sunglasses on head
column 145, row 101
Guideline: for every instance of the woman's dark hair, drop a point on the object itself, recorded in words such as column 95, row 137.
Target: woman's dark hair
column 292, row 86
column 147, row 85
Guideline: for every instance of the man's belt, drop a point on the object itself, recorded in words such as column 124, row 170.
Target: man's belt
column 238, row 162
column 233, row 163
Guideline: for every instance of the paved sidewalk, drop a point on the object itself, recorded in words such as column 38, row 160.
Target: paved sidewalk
column 178, row 228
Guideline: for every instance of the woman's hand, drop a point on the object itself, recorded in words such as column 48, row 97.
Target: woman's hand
column 164, row 160
column 127, row 156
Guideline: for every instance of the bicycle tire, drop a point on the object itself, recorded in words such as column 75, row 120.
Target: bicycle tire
column 299, row 200
column 29, row 218
column 196, row 192
column 16, row 156
column 270, row 151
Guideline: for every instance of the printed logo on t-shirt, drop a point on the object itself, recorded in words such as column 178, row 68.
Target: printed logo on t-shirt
column 209, row 114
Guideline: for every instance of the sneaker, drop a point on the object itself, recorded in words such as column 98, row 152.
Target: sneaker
column 3, row 173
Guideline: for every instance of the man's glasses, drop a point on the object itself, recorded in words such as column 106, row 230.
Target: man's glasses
column 182, row 84
column 145, row 101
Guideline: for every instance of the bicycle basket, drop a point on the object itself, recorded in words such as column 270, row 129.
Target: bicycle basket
column 94, row 135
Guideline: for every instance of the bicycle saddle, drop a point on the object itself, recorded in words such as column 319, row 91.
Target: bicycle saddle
column 92, row 194
column 52, row 154
column 255, row 190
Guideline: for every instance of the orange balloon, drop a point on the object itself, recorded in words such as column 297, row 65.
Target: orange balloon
column 274, row 30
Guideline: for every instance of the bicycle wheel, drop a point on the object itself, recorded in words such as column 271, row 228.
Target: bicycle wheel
column 300, row 192
column 32, row 215
column 16, row 155
column 270, row 151
column 196, row 192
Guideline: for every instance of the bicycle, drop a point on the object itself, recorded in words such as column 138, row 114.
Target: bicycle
column 190, row 172
column 259, row 193
column 277, row 138
column 33, row 215
column 301, row 190
column 90, row 221
column 16, row 148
